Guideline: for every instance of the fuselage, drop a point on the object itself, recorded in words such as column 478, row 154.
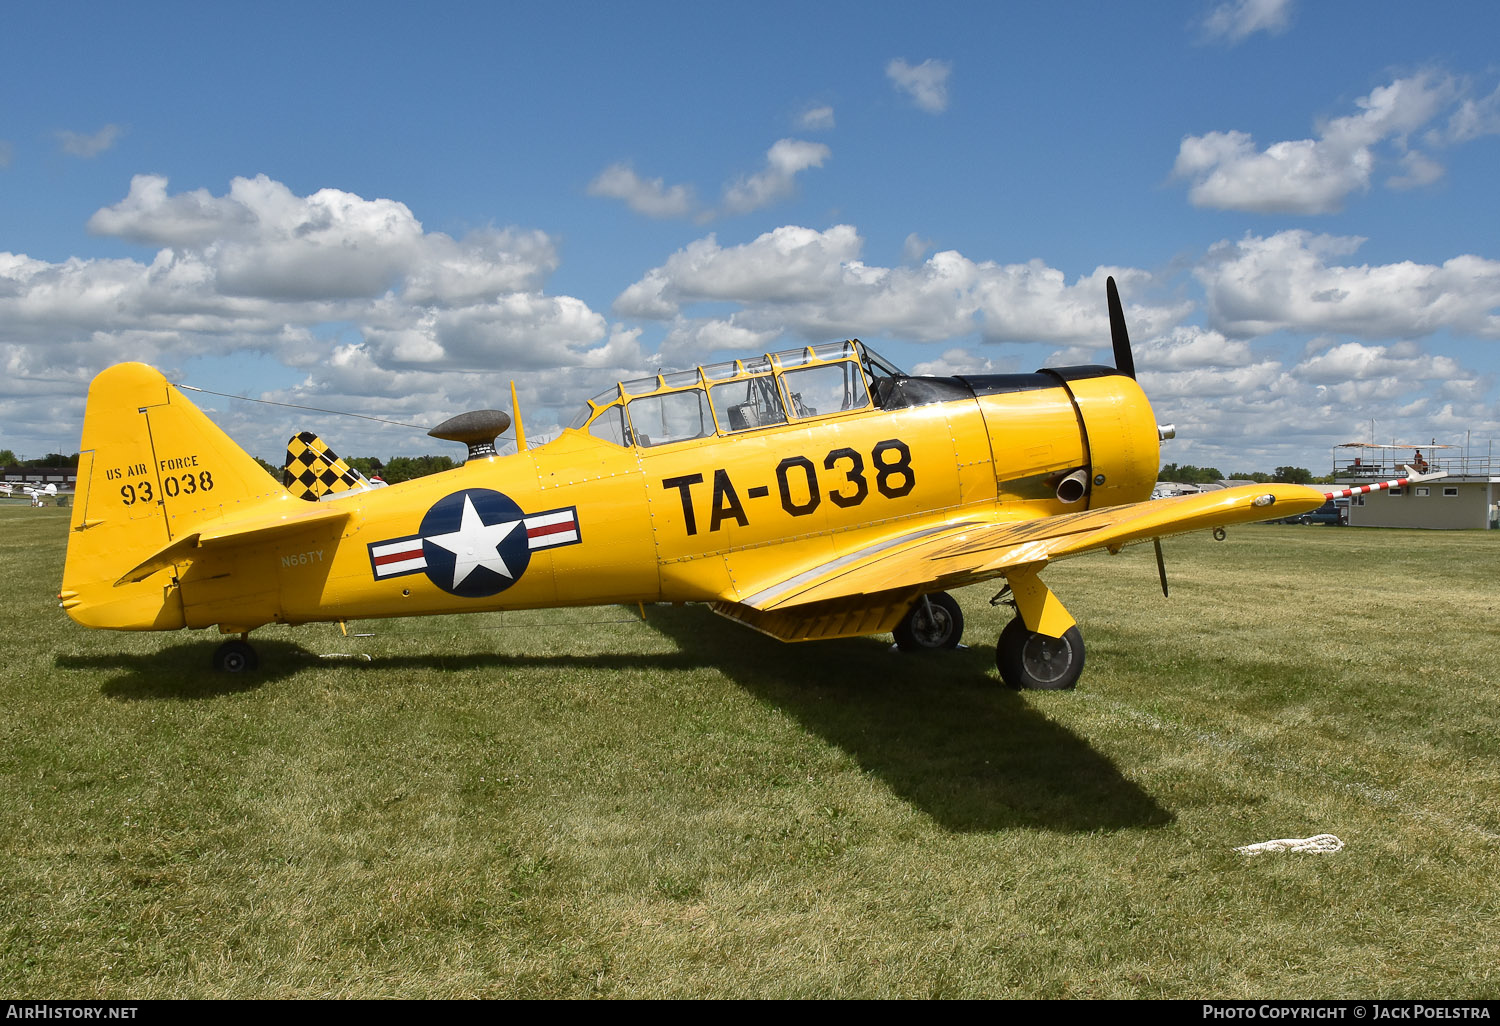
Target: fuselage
column 682, row 487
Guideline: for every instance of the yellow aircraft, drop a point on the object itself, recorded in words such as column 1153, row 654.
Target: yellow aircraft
column 813, row 493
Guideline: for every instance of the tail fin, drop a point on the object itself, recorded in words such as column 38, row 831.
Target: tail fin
column 315, row 472
column 153, row 468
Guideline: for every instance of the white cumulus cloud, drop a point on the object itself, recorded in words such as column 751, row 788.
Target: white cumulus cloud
column 775, row 181
column 79, row 144
column 1293, row 281
column 1189, row 347
column 1475, row 118
column 1354, row 361
column 1238, row 19
column 784, row 161
column 1417, row 170
column 148, row 215
column 914, row 248
column 351, row 291
column 1227, row 171
column 814, row 285
column 652, row 197
column 926, row 83
column 962, row 361
column 816, row 119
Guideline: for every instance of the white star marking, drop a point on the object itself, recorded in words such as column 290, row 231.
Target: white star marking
column 476, row 544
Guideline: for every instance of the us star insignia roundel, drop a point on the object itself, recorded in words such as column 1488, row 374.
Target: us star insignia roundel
column 474, row 543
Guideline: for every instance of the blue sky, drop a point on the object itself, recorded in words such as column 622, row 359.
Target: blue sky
column 394, row 210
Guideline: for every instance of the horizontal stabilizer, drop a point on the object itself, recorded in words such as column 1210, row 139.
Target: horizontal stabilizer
column 252, row 528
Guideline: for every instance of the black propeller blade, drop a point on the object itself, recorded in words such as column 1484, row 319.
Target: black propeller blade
column 1124, row 362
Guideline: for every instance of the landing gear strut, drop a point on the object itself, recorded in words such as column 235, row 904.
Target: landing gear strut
column 935, row 621
column 235, row 657
column 1027, row 659
column 1049, row 658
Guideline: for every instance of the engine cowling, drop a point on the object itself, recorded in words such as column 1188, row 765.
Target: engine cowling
column 1120, row 435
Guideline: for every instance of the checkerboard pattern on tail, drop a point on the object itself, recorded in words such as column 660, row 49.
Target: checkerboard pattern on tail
column 313, row 470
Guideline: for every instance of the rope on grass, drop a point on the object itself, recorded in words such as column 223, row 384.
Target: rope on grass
column 1323, row 844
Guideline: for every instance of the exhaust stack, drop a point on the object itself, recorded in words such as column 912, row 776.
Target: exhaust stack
column 1073, row 487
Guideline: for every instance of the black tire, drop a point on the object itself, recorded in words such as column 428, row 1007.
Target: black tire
column 933, row 624
column 1028, row 660
column 235, row 657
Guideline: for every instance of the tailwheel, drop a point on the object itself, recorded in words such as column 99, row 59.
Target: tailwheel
column 1030, row 660
column 235, row 657
column 934, row 621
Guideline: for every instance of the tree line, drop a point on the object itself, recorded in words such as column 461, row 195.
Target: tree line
column 391, row 471
column 402, row 468
column 52, row 459
column 1189, row 474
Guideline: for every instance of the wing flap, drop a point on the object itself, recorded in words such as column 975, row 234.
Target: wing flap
column 838, row 618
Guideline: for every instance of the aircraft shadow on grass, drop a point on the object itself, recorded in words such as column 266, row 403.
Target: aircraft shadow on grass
column 177, row 672
column 938, row 728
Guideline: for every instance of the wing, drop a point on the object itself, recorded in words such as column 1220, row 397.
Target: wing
column 877, row 581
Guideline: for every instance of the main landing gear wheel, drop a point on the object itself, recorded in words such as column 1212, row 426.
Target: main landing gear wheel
column 235, row 657
column 935, row 621
column 1030, row 660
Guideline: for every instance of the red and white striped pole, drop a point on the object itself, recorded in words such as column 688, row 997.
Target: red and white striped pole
column 1345, row 493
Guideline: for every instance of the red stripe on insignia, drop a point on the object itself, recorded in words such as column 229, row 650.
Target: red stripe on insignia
column 399, row 556
column 566, row 527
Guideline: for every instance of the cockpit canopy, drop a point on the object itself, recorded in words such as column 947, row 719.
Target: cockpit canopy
column 739, row 395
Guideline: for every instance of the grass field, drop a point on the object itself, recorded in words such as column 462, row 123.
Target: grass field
column 568, row 804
